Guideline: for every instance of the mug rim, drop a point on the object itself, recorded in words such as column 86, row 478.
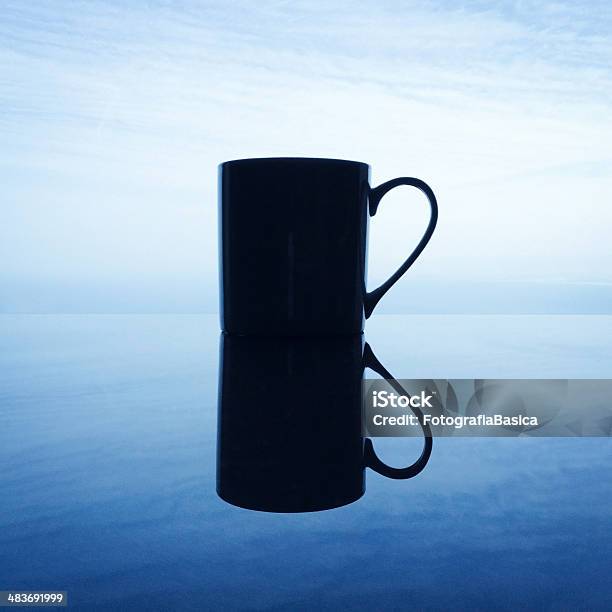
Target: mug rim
column 291, row 159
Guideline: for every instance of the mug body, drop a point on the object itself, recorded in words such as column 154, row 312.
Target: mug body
column 289, row 423
column 293, row 236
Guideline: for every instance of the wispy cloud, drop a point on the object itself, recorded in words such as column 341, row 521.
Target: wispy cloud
column 114, row 117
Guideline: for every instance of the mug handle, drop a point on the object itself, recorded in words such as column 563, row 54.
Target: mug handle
column 372, row 298
column 370, row 457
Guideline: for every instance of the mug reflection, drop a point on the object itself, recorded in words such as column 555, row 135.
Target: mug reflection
column 289, row 423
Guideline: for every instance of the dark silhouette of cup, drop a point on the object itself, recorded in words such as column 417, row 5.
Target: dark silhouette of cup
column 293, row 237
column 290, row 432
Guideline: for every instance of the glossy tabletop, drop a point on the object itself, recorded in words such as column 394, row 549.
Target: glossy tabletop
column 107, row 489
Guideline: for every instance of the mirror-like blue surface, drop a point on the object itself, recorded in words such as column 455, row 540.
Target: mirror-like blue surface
column 107, row 489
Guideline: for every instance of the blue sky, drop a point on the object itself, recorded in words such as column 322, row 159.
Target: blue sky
column 113, row 119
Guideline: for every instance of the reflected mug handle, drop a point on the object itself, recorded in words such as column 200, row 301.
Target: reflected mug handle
column 371, row 459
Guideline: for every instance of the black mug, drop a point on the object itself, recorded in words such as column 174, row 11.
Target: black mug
column 289, row 425
column 294, row 241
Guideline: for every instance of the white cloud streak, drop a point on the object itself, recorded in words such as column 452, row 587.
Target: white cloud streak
column 113, row 119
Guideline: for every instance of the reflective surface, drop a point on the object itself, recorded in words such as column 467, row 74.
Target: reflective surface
column 108, row 452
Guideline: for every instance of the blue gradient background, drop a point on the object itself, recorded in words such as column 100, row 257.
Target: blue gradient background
column 114, row 116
